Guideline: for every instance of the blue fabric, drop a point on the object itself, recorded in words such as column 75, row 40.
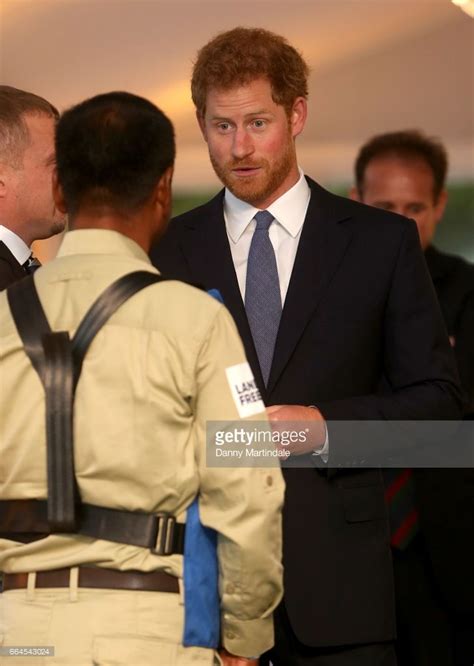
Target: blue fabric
column 201, row 576
column 262, row 293
column 215, row 293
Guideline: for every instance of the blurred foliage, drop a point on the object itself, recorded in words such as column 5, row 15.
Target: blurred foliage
column 184, row 202
column 455, row 233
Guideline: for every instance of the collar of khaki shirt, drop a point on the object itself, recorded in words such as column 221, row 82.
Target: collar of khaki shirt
column 100, row 241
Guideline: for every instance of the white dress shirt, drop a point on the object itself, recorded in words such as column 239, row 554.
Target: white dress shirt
column 289, row 212
column 15, row 244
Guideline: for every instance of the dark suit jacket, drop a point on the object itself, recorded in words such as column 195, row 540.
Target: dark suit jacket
column 446, row 497
column 360, row 305
column 453, row 279
column 10, row 269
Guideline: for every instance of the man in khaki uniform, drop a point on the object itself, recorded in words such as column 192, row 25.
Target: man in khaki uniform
column 154, row 376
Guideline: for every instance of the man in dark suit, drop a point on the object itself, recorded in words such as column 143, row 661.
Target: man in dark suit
column 27, row 210
column 405, row 172
column 329, row 296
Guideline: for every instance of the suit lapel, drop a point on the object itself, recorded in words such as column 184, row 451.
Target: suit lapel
column 206, row 245
column 321, row 249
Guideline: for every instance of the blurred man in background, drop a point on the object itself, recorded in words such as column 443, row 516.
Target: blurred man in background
column 405, row 172
column 27, row 209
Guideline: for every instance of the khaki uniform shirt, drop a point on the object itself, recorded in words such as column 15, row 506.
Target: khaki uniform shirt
column 153, row 376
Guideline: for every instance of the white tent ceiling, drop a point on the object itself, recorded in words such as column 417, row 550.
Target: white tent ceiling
column 376, row 65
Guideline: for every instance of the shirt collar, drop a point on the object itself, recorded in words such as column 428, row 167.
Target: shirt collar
column 15, row 244
column 100, row 241
column 289, row 210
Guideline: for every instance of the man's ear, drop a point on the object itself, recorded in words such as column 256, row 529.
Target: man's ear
column 4, row 177
column 441, row 205
column 299, row 112
column 354, row 194
column 163, row 191
column 58, row 194
column 202, row 125
column 166, row 179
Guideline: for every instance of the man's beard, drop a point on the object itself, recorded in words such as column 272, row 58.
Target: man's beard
column 256, row 189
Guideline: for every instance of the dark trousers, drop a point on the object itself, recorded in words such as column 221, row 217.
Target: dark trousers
column 428, row 634
column 289, row 651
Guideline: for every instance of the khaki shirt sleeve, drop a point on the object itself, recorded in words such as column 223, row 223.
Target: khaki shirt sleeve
column 243, row 504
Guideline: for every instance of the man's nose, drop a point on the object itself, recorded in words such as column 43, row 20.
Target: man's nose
column 242, row 145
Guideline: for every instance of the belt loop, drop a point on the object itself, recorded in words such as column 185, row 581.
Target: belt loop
column 30, row 586
column 73, row 583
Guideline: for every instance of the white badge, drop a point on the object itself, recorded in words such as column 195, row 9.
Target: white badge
column 244, row 390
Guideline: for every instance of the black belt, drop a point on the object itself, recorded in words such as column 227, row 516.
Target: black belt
column 157, row 531
column 155, row 581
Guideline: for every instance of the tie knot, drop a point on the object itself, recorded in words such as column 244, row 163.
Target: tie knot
column 31, row 264
column 264, row 220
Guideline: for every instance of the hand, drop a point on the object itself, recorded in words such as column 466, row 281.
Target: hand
column 287, row 418
column 229, row 659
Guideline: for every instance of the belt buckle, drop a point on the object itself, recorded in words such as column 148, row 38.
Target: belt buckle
column 164, row 534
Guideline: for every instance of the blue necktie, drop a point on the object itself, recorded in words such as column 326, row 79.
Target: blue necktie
column 262, row 293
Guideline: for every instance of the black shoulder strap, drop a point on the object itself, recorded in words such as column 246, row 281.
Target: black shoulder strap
column 58, row 361
column 30, row 320
column 103, row 308
column 59, row 394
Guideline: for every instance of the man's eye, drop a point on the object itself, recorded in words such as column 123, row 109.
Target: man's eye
column 416, row 208
column 259, row 123
column 223, row 127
